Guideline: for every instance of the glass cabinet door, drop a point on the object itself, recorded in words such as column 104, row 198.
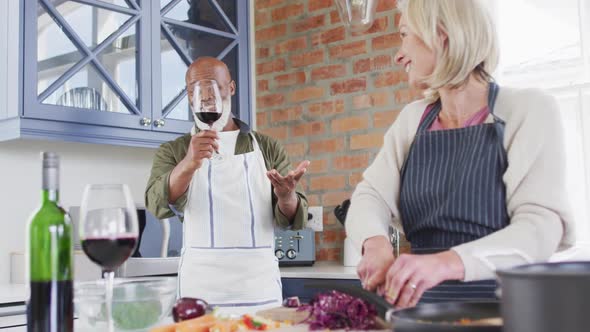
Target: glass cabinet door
column 122, row 63
column 85, row 61
column 190, row 29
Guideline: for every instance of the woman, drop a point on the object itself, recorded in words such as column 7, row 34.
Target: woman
column 473, row 174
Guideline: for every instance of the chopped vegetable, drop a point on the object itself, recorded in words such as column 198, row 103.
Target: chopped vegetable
column 188, row 308
column 216, row 323
column 291, row 302
column 336, row 310
column 200, row 324
column 254, row 324
column 136, row 315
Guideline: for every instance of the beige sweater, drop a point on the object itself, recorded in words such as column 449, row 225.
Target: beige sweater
column 536, row 197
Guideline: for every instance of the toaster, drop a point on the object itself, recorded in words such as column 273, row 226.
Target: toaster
column 295, row 248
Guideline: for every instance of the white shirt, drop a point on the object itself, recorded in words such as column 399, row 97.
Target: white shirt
column 227, row 142
column 536, row 197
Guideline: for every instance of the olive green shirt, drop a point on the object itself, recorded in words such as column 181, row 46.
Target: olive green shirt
column 171, row 153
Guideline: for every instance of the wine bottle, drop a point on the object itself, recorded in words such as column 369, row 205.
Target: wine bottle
column 50, row 306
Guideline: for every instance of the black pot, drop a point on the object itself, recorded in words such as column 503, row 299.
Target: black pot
column 546, row 297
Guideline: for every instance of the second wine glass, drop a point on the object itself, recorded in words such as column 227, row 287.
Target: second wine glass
column 108, row 230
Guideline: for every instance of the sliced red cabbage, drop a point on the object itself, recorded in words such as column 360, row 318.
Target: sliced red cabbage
column 336, row 310
column 292, row 302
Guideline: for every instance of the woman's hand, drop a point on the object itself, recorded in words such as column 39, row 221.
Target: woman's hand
column 377, row 259
column 411, row 275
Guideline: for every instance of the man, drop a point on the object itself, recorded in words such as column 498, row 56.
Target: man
column 229, row 205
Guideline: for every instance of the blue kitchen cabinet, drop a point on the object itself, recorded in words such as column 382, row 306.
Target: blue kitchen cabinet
column 112, row 71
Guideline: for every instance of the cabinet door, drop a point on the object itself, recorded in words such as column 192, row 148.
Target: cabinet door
column 186, row 30
column 87, row 62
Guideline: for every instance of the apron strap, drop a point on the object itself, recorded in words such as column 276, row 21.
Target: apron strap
column 430, row 117
column 499, row 124
column 255, row 145
column 493, row 89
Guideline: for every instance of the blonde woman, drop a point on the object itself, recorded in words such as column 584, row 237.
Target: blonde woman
column 473, row 174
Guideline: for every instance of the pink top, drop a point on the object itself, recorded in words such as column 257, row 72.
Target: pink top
column 476, row 119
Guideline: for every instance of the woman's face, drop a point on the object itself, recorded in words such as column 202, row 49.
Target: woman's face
column 414, row 56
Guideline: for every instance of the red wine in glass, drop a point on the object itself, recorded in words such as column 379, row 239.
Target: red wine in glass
column 108, row 231
column 208, row 117
column 109, row 253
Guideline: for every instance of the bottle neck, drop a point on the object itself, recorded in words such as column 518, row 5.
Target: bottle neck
column 50, row 195
column 50, row 187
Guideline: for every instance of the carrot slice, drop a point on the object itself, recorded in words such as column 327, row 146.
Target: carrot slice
column 228, row 325
column 200, row 324
column 165, row 328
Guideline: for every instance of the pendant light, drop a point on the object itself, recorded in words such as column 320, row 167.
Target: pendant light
column 357, row 15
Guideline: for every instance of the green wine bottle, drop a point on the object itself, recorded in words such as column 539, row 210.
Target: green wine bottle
column 50, row 306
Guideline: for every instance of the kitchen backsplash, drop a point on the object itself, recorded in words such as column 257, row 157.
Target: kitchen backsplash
column 20, row 177
column 328, row 95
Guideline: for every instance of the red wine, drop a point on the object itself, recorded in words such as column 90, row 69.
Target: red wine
column 208, row 117
column 48, row 312
column 109, row 252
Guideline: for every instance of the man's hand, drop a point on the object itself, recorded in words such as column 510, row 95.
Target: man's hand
column 284, row 186
column 411, row 275
column 377, row 259
column 202, row 146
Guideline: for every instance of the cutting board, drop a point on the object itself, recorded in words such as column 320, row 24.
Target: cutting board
column 284, row 313
column 297, row 317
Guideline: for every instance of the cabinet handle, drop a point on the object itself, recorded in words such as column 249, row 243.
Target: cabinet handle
column 145, row 122
column 159, row 123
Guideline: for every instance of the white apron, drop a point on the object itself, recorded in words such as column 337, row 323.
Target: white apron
column 228, row 253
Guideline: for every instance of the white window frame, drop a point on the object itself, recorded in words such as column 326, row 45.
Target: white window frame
column 581, row 88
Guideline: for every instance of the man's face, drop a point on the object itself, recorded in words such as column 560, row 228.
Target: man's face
column 214, row 72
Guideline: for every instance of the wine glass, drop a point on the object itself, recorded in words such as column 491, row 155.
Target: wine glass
column 207, row 106
column 108, row 230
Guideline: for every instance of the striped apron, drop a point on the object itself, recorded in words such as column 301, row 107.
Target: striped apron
column 228, row 236
column 452, row 192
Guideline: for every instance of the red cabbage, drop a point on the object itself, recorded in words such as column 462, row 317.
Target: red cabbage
column 292, row 302
column 336, row 310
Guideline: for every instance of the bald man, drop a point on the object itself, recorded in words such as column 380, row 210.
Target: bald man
column 229, row 205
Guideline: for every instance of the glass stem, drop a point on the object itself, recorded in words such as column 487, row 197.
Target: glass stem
column 109, row 277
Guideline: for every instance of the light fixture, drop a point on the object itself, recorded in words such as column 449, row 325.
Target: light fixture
column 357, row 15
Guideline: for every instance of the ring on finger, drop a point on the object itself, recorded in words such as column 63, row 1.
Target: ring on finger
column 413, row 286
column 390, row 294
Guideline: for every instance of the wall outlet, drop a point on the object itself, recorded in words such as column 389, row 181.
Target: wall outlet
column 315, row 219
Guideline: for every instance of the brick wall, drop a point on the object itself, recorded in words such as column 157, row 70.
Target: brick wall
column 328, row 95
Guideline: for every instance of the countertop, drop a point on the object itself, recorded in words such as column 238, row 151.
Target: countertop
column 320, row 270
column 14, row 293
